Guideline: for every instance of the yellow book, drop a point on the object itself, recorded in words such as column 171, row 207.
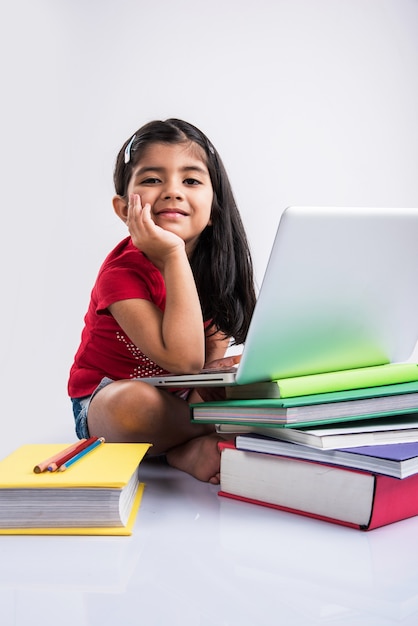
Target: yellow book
column 98, row 495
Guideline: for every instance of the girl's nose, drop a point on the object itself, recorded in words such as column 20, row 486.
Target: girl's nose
column 172, row 189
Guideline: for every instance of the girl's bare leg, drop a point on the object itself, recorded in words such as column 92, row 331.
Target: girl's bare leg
column 133, row 411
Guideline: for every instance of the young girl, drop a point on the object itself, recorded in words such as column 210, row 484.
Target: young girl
column 168, row 298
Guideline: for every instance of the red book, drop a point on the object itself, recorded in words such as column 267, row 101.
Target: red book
column 354, row 498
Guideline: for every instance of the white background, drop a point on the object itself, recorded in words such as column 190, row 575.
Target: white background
column 307, row 101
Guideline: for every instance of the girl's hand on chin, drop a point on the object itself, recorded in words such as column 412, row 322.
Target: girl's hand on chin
column 155, row 242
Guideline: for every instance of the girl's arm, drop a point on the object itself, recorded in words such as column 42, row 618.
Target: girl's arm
column 174, row 339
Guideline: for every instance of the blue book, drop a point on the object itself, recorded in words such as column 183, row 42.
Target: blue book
column 398, row 460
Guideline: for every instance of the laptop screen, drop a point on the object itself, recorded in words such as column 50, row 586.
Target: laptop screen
column 340, row 291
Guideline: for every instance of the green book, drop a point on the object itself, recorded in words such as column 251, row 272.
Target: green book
column 326, row 382
column 383, row 400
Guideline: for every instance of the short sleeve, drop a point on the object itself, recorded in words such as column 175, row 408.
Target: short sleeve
column 133, row 276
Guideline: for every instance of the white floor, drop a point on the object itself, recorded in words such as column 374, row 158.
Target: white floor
column 196, row 559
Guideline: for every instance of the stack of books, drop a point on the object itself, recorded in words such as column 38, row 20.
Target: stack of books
column 341, row 447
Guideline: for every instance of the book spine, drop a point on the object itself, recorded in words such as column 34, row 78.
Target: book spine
column 394, row 500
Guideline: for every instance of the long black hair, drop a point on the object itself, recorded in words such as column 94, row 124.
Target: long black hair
column 221, row 261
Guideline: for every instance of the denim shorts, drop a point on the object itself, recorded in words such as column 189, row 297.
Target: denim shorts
column 81, row 407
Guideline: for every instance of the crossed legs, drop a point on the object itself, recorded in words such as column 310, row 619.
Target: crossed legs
column 133, row 411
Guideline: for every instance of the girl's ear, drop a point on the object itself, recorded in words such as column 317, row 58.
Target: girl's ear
column 120, row 206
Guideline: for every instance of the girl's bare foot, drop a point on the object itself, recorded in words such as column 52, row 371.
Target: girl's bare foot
column 199, row 457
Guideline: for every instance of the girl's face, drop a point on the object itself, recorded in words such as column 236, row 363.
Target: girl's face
column 175, row 181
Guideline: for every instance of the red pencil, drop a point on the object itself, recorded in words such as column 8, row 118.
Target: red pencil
column 52, row 467
column 41, row 467
column 81, row 454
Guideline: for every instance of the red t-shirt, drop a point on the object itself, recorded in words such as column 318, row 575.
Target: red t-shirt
column 105, row 350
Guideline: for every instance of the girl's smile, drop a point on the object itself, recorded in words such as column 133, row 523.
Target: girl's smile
column 171, row 213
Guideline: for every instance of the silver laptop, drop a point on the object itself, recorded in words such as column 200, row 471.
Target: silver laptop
column 340, row 291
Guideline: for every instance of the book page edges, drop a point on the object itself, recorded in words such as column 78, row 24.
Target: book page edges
column 114, row 531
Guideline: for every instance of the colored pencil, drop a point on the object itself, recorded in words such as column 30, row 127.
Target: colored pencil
column 52, row 467
column 81, row 454
column 43, row 466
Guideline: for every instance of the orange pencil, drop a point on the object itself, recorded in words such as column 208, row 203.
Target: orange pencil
column 52, row 467
column 41, row 467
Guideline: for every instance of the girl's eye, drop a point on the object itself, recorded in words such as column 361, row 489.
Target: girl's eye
column 191, row 181
column 150, row 181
